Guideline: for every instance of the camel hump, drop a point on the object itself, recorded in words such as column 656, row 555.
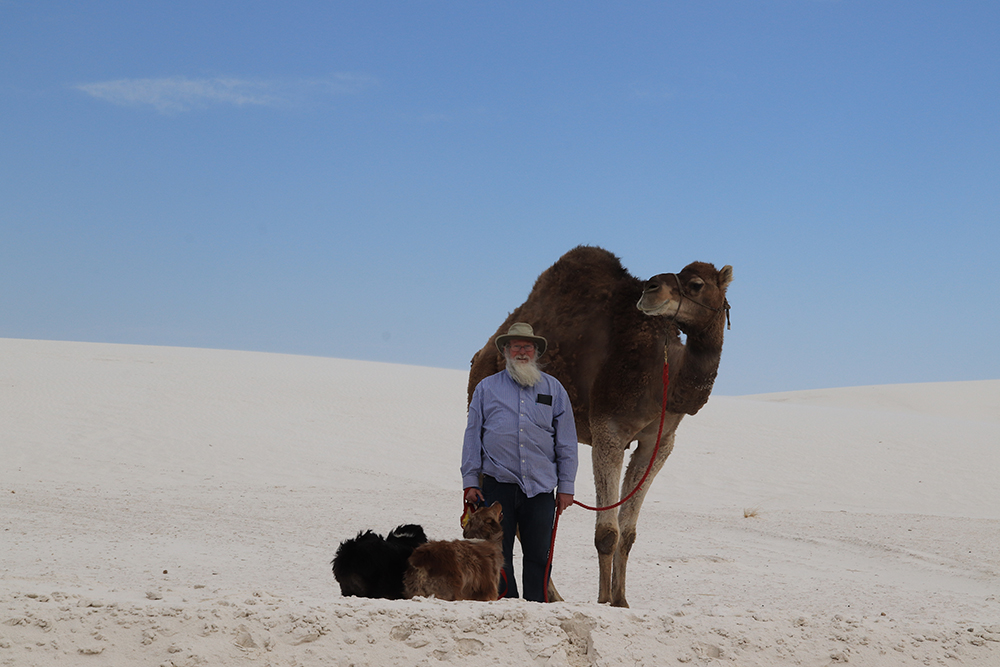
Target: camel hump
column 585, row 273
column 591, row 259
column 590, row 253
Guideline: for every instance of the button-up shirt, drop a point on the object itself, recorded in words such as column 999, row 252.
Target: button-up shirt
column 521, row 435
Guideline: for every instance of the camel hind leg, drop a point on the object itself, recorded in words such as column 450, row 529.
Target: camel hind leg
column 628, row 514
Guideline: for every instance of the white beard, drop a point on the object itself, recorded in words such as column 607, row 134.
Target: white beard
column 525, row 373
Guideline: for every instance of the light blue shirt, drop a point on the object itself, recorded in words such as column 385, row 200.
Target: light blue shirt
column 521, row 435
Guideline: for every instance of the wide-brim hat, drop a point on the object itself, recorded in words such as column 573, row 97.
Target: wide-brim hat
column 522, row 331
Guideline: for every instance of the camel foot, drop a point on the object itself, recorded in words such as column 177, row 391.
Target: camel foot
column 623, row 603
column 554, row 594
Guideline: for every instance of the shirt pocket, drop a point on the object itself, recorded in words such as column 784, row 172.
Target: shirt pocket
column 541, row 416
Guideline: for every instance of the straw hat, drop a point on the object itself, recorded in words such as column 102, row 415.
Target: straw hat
column 522, row 331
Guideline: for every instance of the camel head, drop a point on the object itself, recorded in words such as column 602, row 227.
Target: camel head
column 692, row 297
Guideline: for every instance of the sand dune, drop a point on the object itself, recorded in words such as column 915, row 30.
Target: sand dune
column 165, row 506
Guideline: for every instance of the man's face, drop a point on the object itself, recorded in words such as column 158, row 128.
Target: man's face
column 521, row 350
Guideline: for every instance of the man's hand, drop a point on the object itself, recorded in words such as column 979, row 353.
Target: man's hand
column 473, row 495
column 563, row 501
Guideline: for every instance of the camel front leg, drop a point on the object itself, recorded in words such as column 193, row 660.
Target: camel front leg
column 628, row 514
column 607, row 460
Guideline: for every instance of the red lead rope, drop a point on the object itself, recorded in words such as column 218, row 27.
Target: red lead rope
column 555, row 525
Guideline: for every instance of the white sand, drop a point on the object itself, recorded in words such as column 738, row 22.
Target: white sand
column 166, row 506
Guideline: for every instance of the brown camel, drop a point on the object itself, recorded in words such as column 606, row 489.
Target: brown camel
column 608, row 332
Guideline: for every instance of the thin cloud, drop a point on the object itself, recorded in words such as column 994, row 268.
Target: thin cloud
column 177, row 94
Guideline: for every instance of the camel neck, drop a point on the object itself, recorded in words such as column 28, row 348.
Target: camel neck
column 691, row 386
column 707, row 340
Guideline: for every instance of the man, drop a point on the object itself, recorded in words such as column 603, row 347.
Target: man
column 521, row 441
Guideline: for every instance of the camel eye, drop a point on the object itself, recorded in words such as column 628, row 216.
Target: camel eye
column 695, row 286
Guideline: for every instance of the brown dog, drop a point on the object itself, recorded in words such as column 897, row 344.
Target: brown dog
column 466, row 569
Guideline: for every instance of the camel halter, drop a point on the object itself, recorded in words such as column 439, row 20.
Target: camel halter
column 680, row 302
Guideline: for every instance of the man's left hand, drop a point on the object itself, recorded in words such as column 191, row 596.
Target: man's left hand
column 563, row 501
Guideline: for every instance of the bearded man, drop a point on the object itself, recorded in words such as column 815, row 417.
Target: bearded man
column 520, row 446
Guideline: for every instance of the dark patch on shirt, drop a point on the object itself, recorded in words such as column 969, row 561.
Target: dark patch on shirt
column 544, row 398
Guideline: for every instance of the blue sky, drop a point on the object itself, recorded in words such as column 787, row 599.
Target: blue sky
column 385, row 180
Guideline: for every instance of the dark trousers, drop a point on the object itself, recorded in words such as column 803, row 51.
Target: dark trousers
column 533, row 517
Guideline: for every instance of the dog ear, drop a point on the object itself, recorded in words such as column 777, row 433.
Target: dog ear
column 466, row 515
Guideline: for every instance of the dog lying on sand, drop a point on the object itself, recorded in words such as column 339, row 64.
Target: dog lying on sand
column 369, row 566
column 466, row 569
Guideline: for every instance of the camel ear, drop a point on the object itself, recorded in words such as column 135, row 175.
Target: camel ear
column 725, row 276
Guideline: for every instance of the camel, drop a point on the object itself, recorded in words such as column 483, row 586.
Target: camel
column 608, row 335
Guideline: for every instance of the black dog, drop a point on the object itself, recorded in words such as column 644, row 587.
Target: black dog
column 369, row 566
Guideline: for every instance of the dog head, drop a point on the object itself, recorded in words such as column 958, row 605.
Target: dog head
column 357, row 563
column 485, row 523
column 410, row 535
